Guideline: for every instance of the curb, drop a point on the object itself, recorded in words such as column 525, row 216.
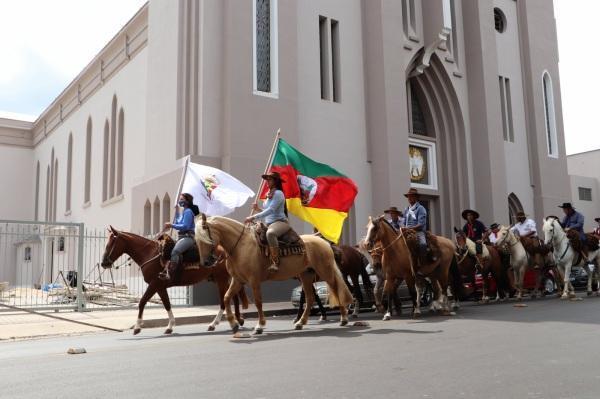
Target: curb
column 180, row 321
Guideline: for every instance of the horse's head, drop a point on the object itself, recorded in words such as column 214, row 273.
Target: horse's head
column 376, row 256
column 205, row 240
column 374, row 232
column 551, row 227
column 115, row 247
column 502, row 236
column 460, row 239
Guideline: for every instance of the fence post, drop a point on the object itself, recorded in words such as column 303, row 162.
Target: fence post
column 80, row 297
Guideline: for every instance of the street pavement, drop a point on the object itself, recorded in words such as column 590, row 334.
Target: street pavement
column 548, row 349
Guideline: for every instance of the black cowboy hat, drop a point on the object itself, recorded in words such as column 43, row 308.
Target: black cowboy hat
column 273, row 175
column 467, row 211
column 521, row 214
column 494, row 226
column 412, row 191
column 597, row 220
column 392, row 209
column 566, row 205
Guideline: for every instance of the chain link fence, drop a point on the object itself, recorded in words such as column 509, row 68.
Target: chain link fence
column 57, row 266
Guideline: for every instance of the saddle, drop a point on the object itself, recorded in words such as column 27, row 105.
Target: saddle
column 289, row 243
column 533, row 246
column 166, row 245
column 583, row 248
column 413, row 244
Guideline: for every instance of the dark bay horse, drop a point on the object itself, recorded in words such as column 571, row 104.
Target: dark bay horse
column 147, row 254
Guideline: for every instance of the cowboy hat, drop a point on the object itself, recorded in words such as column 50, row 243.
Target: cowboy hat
column 412, row 191
column 467, row 211
column 273, row 175
column 566, row 205
column 392, row 209
column 494, row 226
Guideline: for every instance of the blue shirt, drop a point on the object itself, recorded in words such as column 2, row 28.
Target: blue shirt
column 416, row 215
column 574, row 222
column 273, row 208
column 185, row 221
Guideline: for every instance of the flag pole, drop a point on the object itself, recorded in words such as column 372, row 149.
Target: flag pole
column 267, row 167
column 185, row 168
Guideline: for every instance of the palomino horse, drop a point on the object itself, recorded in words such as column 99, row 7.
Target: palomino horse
column 518, row 259
column 492, row 264
column 398, row 264
column 146, row 253
column 248, row 265
column 565, row 257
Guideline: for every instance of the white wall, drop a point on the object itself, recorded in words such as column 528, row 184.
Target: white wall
column 17, row 183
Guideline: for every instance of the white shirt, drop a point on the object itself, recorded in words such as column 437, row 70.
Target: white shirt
column 525, row 228
column 493, row 237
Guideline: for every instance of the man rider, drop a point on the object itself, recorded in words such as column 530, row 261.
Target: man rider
column 415, row 218
column 395, row 218
column 524, row 226
column 573, row 220
column 475, row 231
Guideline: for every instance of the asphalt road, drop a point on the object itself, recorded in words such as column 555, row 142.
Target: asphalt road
column 549, row 349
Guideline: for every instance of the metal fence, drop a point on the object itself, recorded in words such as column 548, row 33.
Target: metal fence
column 57, row 266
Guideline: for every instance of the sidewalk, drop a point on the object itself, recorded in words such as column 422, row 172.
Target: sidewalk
column 22, row 325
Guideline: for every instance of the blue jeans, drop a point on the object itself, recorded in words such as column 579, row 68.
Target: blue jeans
column 182, row 245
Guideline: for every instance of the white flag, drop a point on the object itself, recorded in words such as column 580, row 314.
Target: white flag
column 215, row 192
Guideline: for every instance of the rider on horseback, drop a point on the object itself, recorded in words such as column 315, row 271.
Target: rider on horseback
column 573, row 220
column 525, row 227
column 274, row 215
column 475, row 231
column 184, row 224
column 415, row 218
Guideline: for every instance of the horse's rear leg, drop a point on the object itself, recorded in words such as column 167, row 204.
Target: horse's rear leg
column 222, row 286
column 234, row 288
column 301, row 306
column 150, row 291
column 164, row 297
column 307, row 287
column 358, row 299
column 259, row 328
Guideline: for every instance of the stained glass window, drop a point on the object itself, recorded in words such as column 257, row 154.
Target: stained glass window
column 263, row 45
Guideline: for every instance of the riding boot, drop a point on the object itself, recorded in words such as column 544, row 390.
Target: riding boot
column 274, row 255
column 165, row 274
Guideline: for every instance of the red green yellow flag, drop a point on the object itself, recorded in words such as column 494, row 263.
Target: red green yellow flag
column 314, row 192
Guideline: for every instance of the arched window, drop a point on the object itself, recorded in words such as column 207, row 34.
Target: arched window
column 120, row 152
column 51, row 187
column 113, row 149
column 47, row 194
column 147, row 218
column 37, row 190
column 514, row 206
column 105, row 162
column 166, row 208
column 55, row 190
column 156, row 216
column 69, row 172
column 549, row 116
column 88, row 160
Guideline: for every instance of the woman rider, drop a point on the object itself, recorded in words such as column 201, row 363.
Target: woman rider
column 184, row 224
column 274, row 216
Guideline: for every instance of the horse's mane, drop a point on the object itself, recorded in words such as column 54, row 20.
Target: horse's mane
column 203, row 234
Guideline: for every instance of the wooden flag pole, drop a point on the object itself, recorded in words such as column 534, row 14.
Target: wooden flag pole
column 269, row 163
column 185, row 168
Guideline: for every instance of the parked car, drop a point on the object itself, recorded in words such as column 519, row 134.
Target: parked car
column 579, row 278
column 368, row 297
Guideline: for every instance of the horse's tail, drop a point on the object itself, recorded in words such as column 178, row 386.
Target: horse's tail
column 456, row 279
column 365, row 278
column 243, row 297
column 339, row 294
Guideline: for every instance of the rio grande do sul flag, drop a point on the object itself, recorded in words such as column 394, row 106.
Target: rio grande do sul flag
column 314, row 192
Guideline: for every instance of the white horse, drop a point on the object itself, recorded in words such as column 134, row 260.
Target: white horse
column 518, row 258
column 566, row 257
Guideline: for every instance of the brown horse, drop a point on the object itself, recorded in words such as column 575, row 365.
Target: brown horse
column 147, row 254
column 492, row 266
column 400, row 263
column 247, row 264
column 392, row 298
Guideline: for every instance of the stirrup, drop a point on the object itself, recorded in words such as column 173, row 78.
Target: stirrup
column 164, row 275
column 273, row 268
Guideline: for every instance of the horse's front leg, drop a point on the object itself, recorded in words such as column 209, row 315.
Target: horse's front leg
column 415, row 291
column 222, row 287
column 149, row 293
column 378, row 293
column 260, row 325
column 358, row 299
column 164, row 297
column 234, row 288
column 301, row 305
column 308, row 289
column 567, row 280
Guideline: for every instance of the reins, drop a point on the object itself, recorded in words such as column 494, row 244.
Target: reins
column 410, row 260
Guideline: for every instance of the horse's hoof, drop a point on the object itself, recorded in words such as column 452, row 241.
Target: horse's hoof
column 298, row 326
column 573, row 295
column 416, row 315
column 295, row 321
column 354, row 316
column 136, row 331
column 168, row 331
column 211, row 328
column 387, row 317
column 258, row 331
column 241, row 322
column 343, row 323
column 235, row 328
column 323, row 318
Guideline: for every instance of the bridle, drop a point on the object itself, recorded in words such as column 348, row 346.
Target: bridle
column 114, row 244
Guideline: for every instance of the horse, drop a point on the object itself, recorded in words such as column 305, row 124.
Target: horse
column 376, row 255
column 147, row 254
column 398, row 264
column 566, row 257
column 492, row 264
column 247, row 264
column 519, row 260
